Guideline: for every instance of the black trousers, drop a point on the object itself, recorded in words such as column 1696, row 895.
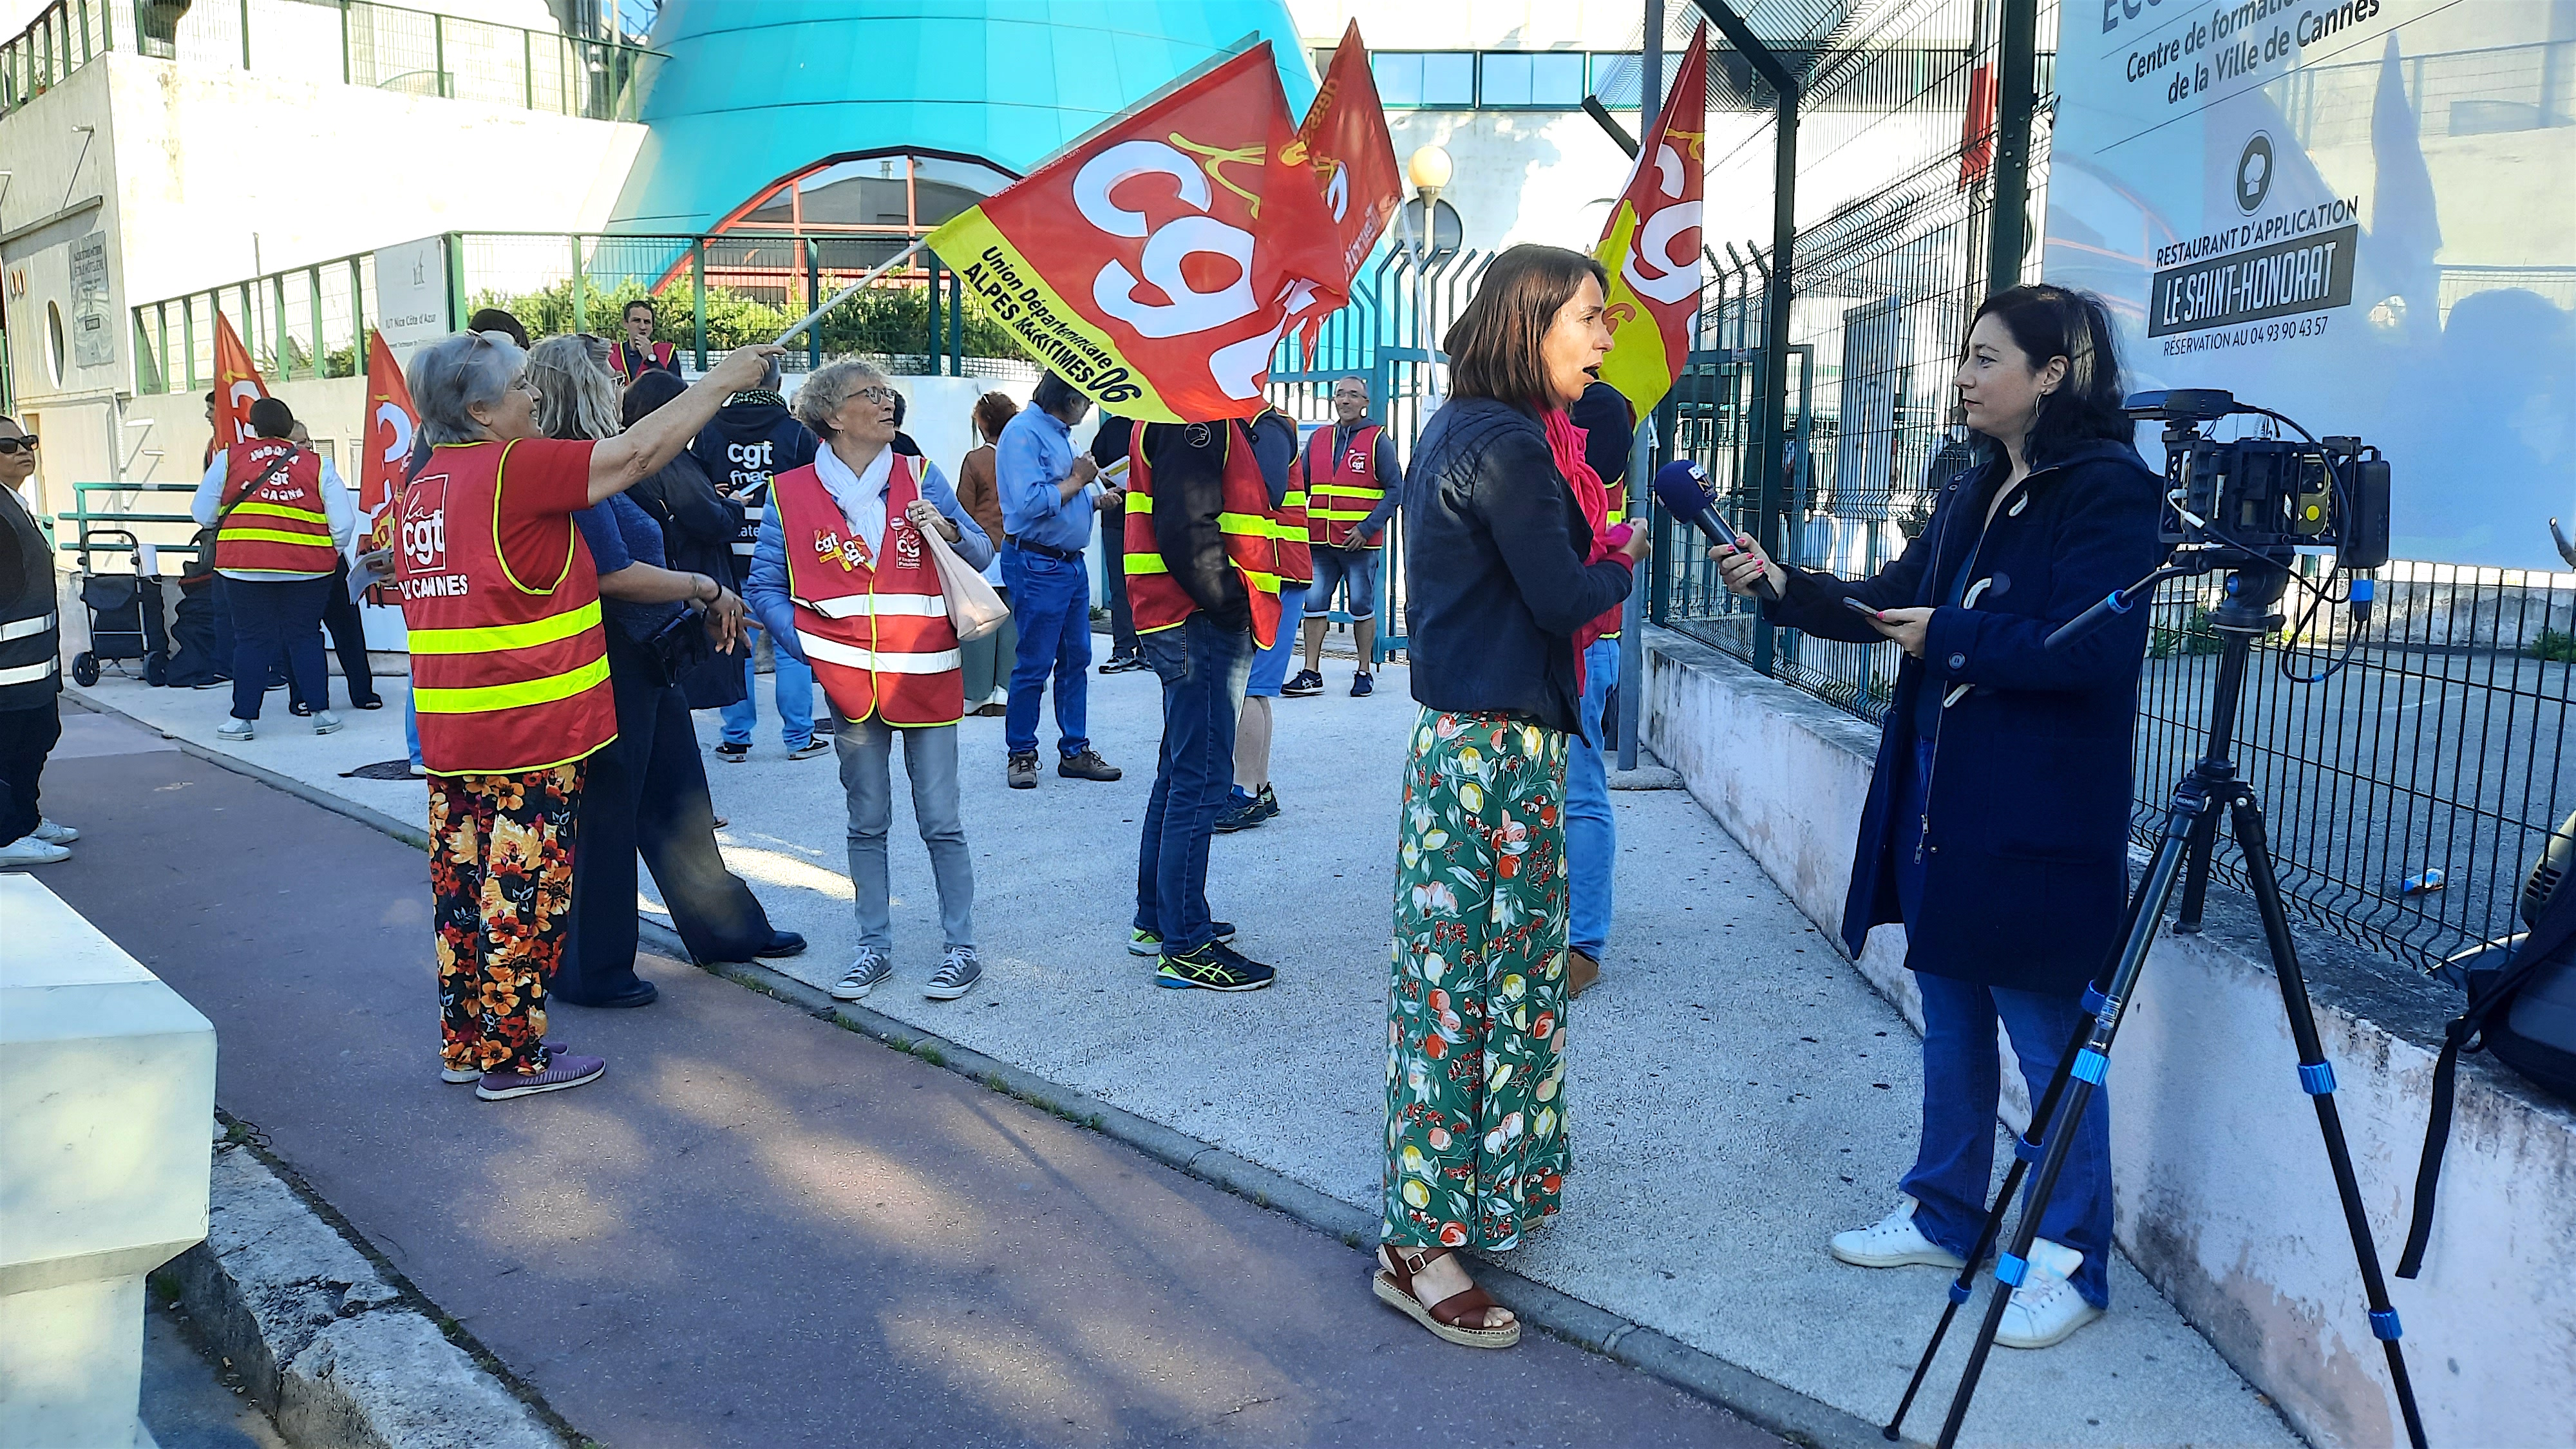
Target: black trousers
column 274, row 619
column 1122, row 618
column 348, row 631
column 648, row 793
column 26, row 737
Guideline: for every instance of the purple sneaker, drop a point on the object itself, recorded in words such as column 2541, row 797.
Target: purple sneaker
column 462, row 1076
column 563, row 1069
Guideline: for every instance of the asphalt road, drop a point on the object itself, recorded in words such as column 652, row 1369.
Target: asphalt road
column 761, row 1229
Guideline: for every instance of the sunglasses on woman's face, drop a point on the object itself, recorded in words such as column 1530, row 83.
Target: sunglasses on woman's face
column 17, row 445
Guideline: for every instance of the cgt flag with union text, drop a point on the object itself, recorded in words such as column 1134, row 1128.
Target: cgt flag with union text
column 1155, row 263
column 1651, row 247
column 237, row 385
column 392, row 422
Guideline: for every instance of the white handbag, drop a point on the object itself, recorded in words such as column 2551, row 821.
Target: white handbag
column 974, row 608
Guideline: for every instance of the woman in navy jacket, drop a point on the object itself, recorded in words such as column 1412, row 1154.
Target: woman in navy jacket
column 1998, row 814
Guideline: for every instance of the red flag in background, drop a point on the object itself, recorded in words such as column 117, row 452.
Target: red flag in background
column 237, row 385
column 1977, row 128
column 1651, row 247
column 1354, row 158
column 392, row 423
column 1156, row 263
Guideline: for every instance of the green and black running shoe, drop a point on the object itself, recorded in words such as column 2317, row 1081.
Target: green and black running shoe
column 1215, row 966
column 1146, row 943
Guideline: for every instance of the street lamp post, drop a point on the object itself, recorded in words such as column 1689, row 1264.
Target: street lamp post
column 1429, row 170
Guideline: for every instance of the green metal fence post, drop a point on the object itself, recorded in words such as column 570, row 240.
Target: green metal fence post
column 453, row 243
column 956, row 323
column 698, row 296
column 188, row 336
column 528, row 66
column 245, row 29
column 345, row 71
column 357, row 318
column 930, row 264
column 580, row 302
column 321, row 348
column 437, row 51
column 813, row 299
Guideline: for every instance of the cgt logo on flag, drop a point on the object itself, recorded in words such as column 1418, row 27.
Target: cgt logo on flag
column 1155, row 264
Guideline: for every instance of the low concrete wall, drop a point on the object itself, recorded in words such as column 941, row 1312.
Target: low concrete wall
column 2224, row 1198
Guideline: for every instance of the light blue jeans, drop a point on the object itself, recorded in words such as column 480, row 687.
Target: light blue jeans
column 866, row 752
column 411, row 727
column 795, row 688
column 1591, row 837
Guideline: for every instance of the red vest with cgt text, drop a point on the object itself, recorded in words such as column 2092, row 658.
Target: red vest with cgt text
column 874, row 627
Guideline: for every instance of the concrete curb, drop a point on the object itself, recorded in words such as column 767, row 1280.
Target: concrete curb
column 1783, row 1411
column 1771, row 1406
column 332, row 1346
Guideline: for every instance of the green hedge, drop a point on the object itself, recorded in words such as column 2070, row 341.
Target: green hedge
column 880, row 319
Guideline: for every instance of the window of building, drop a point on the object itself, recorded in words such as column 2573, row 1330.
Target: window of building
column 1425, row 79
column 1544, row 80
column 894, row 194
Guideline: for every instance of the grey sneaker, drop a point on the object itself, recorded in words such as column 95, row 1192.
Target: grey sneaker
column 235, row 729
column 1023, row 773
column 1086, row 766
column 562, row 1070
column 325, row 723
column 959, row 970
column 865, row 972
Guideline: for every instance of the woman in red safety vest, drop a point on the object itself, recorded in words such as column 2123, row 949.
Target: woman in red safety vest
column 842, row 578
column 510, row 680
column 280, row 516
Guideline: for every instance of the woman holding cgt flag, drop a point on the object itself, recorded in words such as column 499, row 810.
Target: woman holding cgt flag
column 1154, row 265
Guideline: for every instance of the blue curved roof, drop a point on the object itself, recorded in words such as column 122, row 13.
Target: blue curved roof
column 756, row 89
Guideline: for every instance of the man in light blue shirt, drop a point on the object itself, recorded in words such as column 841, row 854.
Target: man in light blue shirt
column 1048, row 504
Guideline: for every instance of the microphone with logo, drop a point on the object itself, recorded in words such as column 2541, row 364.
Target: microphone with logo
column 1685, row 490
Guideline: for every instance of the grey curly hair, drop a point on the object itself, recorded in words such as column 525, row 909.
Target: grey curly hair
column 825, row 391
column 457, row 373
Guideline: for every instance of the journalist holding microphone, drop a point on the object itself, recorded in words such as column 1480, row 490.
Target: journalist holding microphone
column 1997, row 822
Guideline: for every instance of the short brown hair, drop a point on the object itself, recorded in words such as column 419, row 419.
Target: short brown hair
column 993, row 412
column 1493, row 347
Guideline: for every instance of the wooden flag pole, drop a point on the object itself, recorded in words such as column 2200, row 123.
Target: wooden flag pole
column 843, row 295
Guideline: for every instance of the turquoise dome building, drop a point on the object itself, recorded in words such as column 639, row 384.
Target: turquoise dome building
column 872, row 120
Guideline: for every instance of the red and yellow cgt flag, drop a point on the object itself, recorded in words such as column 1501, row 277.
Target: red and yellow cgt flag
column 392, row 423
column 1652, row 245
column 1345, row 137
column 1155, row 263
column 237, row 385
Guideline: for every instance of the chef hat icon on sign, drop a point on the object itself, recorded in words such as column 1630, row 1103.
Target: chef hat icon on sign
column 2254, row 173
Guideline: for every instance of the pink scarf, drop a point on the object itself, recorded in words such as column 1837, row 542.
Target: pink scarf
column 1565, row 442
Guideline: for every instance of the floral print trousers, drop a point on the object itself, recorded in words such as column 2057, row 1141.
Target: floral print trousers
column 1475, row 1060
column 500, row 885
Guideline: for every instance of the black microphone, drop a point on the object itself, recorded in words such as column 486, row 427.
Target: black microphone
column 2115, row 602
column 1685, row 490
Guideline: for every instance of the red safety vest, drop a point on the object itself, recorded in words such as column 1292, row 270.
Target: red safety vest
column 1293, row 552
column 281, row 527
column 874, row 628
column 664, row 356
column 1156, row 599
column 509, row 673
column 1341, row 488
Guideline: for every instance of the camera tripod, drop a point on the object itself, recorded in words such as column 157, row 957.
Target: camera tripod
column 2254, row 586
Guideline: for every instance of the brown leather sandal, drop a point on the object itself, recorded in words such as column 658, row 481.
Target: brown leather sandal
column 1450, row 1317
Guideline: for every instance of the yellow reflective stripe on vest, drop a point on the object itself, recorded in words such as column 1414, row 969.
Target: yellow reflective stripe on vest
column 280, row 510
column 1256, row 525
column 509, row 696
column 1336, row 515
column 1145, row 563
column 274, row 535
column 493, row 638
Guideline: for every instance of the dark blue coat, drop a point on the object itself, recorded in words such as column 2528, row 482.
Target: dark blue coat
column 2025, row 835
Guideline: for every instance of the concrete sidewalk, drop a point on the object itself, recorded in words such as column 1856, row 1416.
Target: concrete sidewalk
column 1738, row 1092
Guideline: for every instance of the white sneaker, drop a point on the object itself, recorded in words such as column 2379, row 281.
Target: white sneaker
column 54, row 832
column 325, row 722
column 28, row 850
column 235, row 729
column 1893, row 1242
column 2046, row 1308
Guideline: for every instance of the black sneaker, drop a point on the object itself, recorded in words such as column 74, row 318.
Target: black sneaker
column 1121, row 663
column 1086, row 766
column 1269, row 803
column 1361, row 686
column 1215, row 966
column 1242, row 813
column 1306, row 682
column 732, row 754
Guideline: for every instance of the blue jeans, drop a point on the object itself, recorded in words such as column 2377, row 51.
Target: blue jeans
column 273, row 618
column 411, row 727
column 1591, row 836
column 794, row 682
column 1051, row 602
column 1270, row 666
column 1203, row 668
column 1963, row 1089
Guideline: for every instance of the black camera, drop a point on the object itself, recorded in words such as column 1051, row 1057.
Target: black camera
column 2261, row 499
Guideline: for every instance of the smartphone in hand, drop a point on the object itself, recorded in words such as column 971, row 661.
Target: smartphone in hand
column 1857, row 607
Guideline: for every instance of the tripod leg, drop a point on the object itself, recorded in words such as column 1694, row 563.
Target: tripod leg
column 2092, row 1063
column 2195, row 878
column 2316, row 1075
column 2026, row 1150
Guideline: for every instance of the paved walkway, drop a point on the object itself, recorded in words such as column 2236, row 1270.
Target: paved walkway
column 760, row 1229
column 1738, row 1091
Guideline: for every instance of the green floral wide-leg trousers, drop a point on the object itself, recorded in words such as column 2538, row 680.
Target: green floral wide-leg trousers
column 1475, row 1059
